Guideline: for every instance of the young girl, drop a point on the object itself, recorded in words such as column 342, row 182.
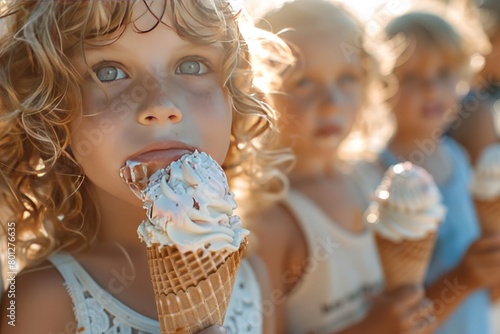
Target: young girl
column 427, row 71
column 323, row 262
column 478, row 124
column 85, row 86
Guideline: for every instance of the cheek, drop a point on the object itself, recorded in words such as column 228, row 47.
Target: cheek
column 404, row 102
column 295, row 121
column 89, row 146
column 451, row 94
column 99, row 150
column 100, row 135
column 351, row 117
column 354, row 103
column 86, row 139
column 213, row 115
column 401, row 110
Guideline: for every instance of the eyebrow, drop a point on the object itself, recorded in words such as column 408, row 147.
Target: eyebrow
column 112, row 46
column 213, row 52
column 116, row 47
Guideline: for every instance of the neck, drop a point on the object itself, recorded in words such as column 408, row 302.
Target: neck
column 314, row 167
column 413, row 147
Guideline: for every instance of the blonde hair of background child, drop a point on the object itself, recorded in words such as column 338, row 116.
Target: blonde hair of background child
column 368, row 133
column 40, row 93
column 485, row 11
column 427, row 25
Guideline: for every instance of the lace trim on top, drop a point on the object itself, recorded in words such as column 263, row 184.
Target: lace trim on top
column 98, row 312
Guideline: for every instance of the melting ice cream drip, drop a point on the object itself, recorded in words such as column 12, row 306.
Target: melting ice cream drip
column 135, row 176
column 407, row 204
column 188, row 204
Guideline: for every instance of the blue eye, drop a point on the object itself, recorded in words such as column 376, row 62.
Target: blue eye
column 302, row 87
column 109, row 73
column 192, row 67
column 303, row 83
column 348, row 79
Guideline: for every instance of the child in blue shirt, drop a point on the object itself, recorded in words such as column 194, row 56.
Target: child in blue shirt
column 427, row 72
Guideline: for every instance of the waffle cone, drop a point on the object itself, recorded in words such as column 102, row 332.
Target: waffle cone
column 489, row 215
column 405, row 262
column 192, row 290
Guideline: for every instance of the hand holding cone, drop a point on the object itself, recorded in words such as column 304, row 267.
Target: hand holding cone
column 405, row 214
column 194, row 242
column 486, row 192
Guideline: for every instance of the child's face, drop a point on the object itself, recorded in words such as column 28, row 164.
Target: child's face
column 427, row 93
column 160, row 97
column 323, row 93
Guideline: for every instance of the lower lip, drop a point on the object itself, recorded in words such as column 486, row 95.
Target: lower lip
column 154, row 160
column 328, row 131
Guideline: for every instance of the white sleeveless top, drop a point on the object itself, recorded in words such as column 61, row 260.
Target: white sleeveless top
column 98, row 312
column 343, row 273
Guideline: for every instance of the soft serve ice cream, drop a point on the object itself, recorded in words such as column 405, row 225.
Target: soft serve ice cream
column 407, row 204
column 405, row 215
column 190, row 205
column 486, row 182
column 194, row 242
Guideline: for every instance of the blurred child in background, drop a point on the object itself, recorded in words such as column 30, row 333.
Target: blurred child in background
column 478, row 123
column 323, row 261
column 427, row 70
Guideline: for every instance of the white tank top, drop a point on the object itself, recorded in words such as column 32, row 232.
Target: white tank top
column 98, row 312
column 343, row 273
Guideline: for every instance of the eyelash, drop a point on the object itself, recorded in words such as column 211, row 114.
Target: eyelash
column 200, row 60
column 106, row 63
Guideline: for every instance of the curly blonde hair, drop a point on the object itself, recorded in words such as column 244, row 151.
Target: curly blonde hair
column 42, row 185
column 486, row 11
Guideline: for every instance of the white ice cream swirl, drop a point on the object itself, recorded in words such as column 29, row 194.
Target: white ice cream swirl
column 190, row 205
column 407, row 204
column 486, row 181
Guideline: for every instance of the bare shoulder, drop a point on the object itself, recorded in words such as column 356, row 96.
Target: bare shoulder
column 281, row 244
column 37, row 302
column 281, row 247
column 276, row 229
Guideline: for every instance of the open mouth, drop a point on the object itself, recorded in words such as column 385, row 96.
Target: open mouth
column 329, row 130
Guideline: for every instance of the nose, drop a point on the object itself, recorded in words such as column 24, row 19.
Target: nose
column 430, row 86
column 331, row 97
column 157, row 109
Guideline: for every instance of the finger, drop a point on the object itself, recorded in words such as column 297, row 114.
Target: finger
column 425, row 325
column 490, row 276
column 487, row 243
column 420, row 321
column 424, row 309
column 214, row 330
column 408, row 296
column 488, row 260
